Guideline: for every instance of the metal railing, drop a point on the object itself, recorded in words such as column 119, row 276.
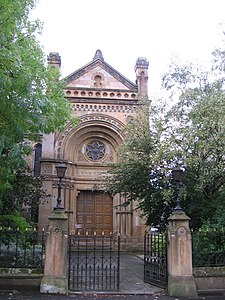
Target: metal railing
column 208, row 248
column 155, row 258
column 94, row 262
column 21, row 249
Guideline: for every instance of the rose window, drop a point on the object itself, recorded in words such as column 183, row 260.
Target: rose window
column 95, row 150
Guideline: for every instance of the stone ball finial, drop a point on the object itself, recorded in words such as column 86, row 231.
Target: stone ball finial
column 98, row 55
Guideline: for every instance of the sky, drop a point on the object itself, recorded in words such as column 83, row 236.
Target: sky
column 127, row 29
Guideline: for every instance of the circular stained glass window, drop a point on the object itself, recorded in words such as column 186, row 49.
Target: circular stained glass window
column 95, row 150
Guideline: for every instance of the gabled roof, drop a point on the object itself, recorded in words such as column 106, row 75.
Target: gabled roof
column 98, row 61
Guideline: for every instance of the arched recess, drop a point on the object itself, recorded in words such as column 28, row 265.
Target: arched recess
column 107, row 129
column 90, row 211
column 37, row 157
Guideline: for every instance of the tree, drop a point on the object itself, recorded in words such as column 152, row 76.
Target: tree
column 32, row 97
column 142, row 173
column 190, row 135
column 19, row 206
column 198, row 138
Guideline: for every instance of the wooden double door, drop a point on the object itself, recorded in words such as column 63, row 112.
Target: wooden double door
column 94, row 213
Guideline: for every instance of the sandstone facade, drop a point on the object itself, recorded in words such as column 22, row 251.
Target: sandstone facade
column 104, row 100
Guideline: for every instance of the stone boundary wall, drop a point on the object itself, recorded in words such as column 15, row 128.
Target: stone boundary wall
column 210, row 279
column 20, row 279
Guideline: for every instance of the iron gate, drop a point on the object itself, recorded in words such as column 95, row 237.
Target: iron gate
column 94, row 263
column 155, row 258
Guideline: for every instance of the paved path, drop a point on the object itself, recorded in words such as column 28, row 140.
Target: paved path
column 131, row 277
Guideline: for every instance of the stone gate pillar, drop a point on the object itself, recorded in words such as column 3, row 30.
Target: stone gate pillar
column 55, row 270
column 181, row 282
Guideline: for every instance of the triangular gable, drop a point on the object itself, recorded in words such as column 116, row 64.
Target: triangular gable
column 112, row 79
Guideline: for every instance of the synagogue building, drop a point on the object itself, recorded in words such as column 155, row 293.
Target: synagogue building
column 104, row 101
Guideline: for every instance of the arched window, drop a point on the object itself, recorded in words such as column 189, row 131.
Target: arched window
column 98, row 81
column 37, row 156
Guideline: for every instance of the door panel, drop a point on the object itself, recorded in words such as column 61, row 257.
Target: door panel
column 94, row 213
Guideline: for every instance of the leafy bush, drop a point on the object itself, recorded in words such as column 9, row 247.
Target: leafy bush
column 21, row 248
column 12, row 256
column 208, row 247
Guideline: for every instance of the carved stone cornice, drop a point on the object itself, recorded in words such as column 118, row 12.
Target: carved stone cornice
column 105, row 108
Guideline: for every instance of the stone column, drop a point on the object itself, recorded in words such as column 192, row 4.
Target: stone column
column 55, row 271
column 181, row 282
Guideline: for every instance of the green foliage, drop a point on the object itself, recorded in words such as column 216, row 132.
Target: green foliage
column 13, row 220
column 32, row 97
column 208, row 246
column 141, row 173
column 25, row 192
column 27, row 86
column 158, row 244
column 190, row 135
column 21, row 248
column 197, row 137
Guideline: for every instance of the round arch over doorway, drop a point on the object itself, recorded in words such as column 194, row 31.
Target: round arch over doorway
column 90, row 211
column 95, row 124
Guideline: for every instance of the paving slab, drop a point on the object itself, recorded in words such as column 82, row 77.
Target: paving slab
column 132, row 275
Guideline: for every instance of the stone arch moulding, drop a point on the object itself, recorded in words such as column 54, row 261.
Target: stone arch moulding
column 95, row 126
column 74, row 145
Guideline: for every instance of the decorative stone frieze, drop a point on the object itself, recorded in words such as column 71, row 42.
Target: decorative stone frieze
column 105, row 108
column 93, row 94
column 89, row 173
column 46, row 168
